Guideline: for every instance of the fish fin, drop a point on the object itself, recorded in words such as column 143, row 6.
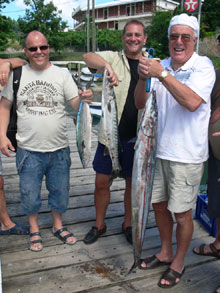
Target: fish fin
column 106, row 152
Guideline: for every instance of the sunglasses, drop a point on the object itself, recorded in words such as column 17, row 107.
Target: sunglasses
column 42, row 48
column 184, row 38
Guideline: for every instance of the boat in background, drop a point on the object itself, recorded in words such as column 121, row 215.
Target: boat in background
column 96, row 109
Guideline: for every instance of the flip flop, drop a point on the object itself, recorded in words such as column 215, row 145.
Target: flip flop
column 152, row 262
column 16, row 230
column 214, row 251
column 64, row 238
column 170, row 276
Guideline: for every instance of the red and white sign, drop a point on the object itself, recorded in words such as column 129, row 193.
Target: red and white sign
column 191, row 5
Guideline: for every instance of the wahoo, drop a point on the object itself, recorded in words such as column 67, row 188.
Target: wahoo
column 84, row 133
column 110, row 124
column 143, row 174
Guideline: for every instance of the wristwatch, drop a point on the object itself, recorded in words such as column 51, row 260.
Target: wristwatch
column 163, row 75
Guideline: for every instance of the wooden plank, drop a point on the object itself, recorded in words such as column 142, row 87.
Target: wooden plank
column 106, row 248
column 102, row 266
column 105, row 272
column 13, row 196
column 196, row 279
column 74, row 203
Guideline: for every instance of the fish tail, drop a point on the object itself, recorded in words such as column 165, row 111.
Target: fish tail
column 132, row 268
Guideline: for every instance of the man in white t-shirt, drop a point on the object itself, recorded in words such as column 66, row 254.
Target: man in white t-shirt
column 42, row 136
column 183, row 85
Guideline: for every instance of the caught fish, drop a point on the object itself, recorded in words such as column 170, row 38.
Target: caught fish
column 84, row 129
column 84, row 133
column 143, row 174
column 110, row 125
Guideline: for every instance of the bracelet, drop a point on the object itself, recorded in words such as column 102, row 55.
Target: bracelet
column 11, row 68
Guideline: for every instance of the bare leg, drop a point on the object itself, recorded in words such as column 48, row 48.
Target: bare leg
column 184, row 233
column 127, row 203
column 34, row 228
column 5, row 221
column 164, row 222
column 102, row 198
column 57, row 224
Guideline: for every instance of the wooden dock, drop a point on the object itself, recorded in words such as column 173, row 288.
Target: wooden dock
column 101, row 267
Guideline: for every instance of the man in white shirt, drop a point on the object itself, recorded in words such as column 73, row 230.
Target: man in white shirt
column 183, row 85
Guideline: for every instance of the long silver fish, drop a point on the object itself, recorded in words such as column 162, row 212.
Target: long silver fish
column 143, row 174
column 110, row 124
column 84, row 128
column 84, row 133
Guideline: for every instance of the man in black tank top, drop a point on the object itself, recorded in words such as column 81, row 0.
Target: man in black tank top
column 122, row 68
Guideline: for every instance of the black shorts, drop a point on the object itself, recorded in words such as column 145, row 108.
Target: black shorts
column 103, row 164
column 213, row 191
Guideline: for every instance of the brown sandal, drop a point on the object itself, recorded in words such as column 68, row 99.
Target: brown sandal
column 214, row 252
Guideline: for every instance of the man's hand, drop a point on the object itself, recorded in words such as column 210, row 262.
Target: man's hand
column 149, row 67
column 143, row 70
column 87, row 95
column 5, row 146
column 4, row 72
column 112, row 77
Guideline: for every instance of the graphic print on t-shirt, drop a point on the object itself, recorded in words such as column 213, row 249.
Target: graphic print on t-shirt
column 40, row 97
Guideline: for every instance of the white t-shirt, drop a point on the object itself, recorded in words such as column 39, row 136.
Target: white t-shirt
column 183, row 135
column 41, row 107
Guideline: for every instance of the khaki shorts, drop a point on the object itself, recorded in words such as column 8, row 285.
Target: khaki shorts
column 177, row 183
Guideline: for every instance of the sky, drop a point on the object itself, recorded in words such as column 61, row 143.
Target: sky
column 17, row 8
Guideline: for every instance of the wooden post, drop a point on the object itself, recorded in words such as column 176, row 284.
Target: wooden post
column 93, row 27
column 88, row 26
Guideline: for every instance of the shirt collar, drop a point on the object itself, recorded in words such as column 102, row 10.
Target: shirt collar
column 188, row 65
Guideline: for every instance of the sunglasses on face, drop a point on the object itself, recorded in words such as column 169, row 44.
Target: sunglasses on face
column 184, row 38
column 42, row 48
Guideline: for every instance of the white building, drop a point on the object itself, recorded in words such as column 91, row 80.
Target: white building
column 115, row 14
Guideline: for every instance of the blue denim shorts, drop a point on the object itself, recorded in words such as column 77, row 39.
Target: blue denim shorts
column 102, row 163
column 32, row 166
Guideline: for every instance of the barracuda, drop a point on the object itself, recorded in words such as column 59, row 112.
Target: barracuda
column 84, row 133
column 110, row 125
column 143, row 174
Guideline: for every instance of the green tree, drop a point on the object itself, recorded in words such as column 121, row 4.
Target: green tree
column 45, row 18
column 3, row 3
column 109, row 40
column 157, row 33
column 210, row 17
column 5, row 32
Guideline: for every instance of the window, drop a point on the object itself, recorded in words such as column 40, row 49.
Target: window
column 128, row 10
column 132, row 9
column 105, row 13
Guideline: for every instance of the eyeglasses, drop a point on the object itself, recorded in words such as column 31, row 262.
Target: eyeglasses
column 42, row 48
column 184, row 38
